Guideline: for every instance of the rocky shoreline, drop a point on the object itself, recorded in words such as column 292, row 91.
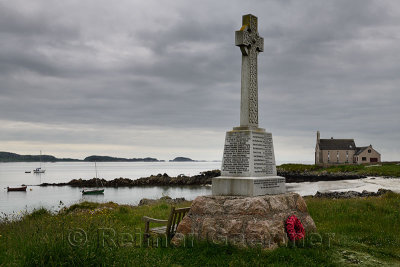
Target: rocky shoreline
column 350, row 194
column 330, row 195
column 300, row 177
column 203, row 178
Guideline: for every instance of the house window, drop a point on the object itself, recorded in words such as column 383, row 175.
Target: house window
column 329, row 157
column 369, row 150
column 337, row 157
column 364, row 158
column 347, row 156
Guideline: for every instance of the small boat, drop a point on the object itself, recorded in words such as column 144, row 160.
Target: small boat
column 38, row 170
column 95, row 191
column 22, row 188
column 92, row 191
column 27, row 171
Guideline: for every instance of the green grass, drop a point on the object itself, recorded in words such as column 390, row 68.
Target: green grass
column 386, row 169
column 365, row 227
column 362, row 232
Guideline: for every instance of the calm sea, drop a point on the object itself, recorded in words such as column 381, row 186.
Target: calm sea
column 13, row 174
column 52, row 197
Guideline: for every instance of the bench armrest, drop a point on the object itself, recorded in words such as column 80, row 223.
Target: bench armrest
column 148, row 219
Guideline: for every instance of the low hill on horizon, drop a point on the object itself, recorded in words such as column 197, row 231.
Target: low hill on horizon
column 114, row 159
column 181, row 159
column 13, row 157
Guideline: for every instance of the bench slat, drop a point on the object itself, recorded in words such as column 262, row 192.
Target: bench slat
column 175, row 218
column 158, row 230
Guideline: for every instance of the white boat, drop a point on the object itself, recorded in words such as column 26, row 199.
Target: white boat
column 39, row 170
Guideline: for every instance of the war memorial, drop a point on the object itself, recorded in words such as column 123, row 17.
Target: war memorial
column 249, row 205
column 248, row 165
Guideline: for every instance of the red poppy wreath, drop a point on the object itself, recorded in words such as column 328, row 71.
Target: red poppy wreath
column 294, row 228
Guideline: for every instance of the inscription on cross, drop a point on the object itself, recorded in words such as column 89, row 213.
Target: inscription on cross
column 250, row 44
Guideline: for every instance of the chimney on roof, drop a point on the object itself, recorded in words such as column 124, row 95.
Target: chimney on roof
column 332, row 137
column 317, row 136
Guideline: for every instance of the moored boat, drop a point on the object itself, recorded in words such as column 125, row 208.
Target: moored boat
column 38, row 170
column 22, row 188
column 97, row 190
column 92, row 191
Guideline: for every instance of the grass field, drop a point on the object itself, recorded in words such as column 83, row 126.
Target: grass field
column 384, row 169
column 351, row 232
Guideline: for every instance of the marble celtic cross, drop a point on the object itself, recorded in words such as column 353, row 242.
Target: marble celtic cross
column 250, row 44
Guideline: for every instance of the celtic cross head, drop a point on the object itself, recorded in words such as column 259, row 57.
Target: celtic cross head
column 247, row 38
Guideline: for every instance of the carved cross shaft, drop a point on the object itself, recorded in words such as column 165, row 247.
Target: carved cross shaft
column 250, row 44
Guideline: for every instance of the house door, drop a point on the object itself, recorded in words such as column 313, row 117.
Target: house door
column 373, row 160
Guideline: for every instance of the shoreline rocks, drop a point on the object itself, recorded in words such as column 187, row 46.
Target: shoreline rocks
column 300, row 177
column 203, row 178
column 166, row 199
column 351, row 194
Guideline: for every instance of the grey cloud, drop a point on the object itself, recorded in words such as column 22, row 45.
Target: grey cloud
column 40, row 24
column 328, row 65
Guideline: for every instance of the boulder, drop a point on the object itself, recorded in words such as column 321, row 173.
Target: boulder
column 166, row 199
column 243, row 221
column 351, row 194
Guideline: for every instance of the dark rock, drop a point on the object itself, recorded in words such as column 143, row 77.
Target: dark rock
column 351, row 194
column 203, row 178
column 167, row 199
column 300, row 177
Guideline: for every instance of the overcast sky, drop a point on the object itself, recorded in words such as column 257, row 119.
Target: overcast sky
column 162, row 78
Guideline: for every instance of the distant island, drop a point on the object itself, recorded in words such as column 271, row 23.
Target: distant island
column 13, row 157
column 112, row 159
column 181, row 159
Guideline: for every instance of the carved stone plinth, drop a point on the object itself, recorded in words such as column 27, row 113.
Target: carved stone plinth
column 248, row 152
column 243, row 221
column 248, row 165
column 248, row 186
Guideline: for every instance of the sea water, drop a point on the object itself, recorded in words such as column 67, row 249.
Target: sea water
column 56, row 197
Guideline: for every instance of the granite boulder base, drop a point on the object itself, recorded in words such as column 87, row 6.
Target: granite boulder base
column 243, row 221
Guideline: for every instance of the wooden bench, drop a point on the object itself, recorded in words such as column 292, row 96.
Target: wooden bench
column 175, row 217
